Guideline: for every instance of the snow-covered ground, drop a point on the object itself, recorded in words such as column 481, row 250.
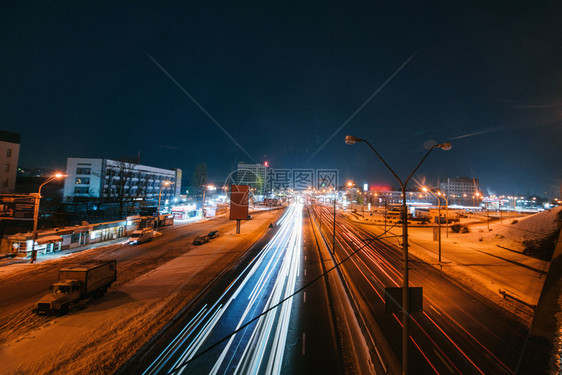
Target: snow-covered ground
column 488, row 261
column 98, row 336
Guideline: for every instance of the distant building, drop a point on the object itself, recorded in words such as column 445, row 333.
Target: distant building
column 462, row 190
column 9, row 153
column 110, row 180
column 253, row 175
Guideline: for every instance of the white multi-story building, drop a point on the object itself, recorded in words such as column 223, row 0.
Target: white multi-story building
column 111, row 180
column 9, row 153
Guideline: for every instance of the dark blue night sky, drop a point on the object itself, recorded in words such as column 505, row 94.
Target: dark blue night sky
column 281, row 77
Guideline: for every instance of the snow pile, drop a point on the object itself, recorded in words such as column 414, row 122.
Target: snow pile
column 524, row 234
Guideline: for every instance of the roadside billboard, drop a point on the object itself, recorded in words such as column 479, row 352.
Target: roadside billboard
column 239, row 202
column 17, row 206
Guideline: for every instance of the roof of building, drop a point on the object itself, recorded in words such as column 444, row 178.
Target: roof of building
column 7, row 136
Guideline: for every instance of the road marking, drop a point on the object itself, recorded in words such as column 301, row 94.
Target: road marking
column 304, row 296
column 434, row 309
column 303, row 343
column 442, row 360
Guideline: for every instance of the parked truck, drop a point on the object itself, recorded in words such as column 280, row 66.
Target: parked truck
column 140, row 236
column 78, row 283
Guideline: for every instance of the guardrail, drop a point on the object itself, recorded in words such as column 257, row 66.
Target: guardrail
column 506, row 295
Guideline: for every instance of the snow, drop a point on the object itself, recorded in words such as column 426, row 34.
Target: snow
column 100, row 335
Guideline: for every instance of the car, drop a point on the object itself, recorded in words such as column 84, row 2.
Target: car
column 200, row 240
column 213, row 234
column 140, row 236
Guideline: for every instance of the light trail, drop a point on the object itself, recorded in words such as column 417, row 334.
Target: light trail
column 269, row 279
column 379, row 265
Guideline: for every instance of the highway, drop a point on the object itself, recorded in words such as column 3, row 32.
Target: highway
column 457, row 332
column 250, row 305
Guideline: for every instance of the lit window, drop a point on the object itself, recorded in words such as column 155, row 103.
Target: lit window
column 82, row 181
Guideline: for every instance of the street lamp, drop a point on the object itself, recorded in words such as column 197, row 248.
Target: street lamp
column 36, row 214
column 446, row 212
column 350, row 140
column 439, row 213
column 210, row 187
column 164, row 184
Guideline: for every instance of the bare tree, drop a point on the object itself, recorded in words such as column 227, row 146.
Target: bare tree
column 119, row 179
column 199, row 178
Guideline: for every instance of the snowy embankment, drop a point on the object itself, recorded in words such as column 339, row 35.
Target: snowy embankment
column 100, row 335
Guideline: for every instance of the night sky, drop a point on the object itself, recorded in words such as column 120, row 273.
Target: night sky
column 82, row 80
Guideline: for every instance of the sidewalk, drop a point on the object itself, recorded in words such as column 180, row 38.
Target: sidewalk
column 485, row 260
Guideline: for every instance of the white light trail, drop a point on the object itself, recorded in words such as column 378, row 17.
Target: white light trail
column 271, row 276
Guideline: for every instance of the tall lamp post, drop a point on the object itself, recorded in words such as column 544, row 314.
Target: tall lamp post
column 164, row 184
column 350, row 140
column 36, row 214
column 210, row 187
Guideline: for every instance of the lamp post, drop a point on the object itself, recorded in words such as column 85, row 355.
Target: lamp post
column 36, row 214
column 405, row 289
column 210, row 187
column 446, row 213
column 439, row 214
column 164, row 184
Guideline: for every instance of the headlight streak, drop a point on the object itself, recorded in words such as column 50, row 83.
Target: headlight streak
column 254, row 353
column 176, row 342
column 182, row 337
column 266, row 311
column 276, row 268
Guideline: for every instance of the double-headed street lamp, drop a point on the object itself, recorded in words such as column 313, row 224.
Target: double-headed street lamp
column 164, row 184
column 350, row 140
column 36, row 214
